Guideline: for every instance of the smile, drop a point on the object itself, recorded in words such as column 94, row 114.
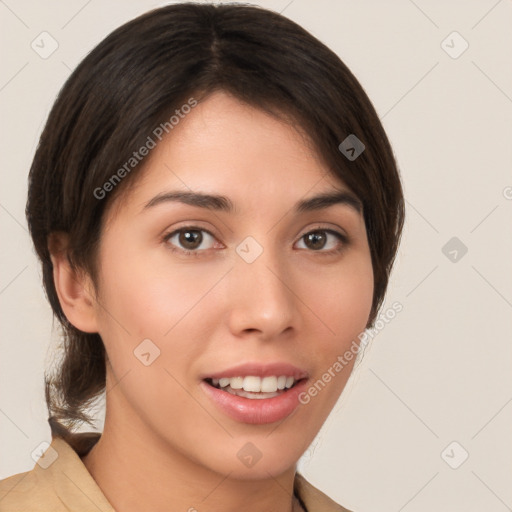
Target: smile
column 256, row 394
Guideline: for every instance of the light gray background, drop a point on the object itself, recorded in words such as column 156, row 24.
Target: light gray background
column 441, row 370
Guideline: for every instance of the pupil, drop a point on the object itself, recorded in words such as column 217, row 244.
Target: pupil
column 191, row 237
column 317, row 238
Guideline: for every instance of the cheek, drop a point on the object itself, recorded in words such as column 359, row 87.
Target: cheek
column 148, row 298
column 343, row 300
column 150, row 295
column 144, row 300
column 343, row 303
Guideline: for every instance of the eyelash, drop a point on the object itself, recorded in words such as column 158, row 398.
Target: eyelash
column 197, row 253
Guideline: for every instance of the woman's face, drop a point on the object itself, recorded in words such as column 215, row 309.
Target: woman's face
column 267, row 292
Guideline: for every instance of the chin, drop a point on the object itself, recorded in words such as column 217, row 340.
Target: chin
column 255, row 458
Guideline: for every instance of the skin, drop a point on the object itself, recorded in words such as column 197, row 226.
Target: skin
column 165, row 445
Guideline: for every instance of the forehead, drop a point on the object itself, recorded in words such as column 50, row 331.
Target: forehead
column 223, row 146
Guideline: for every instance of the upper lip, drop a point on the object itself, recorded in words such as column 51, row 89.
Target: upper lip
column 259, row 370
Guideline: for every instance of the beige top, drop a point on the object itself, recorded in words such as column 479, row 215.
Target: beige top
column 64, row 484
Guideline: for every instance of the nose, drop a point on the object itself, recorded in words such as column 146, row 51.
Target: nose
column 262, row 299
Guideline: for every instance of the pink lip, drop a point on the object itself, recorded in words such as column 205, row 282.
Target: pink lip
column 256, row 411
column 259, row 370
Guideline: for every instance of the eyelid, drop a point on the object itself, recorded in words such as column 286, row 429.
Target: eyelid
column 192, row 226
column 328, row 229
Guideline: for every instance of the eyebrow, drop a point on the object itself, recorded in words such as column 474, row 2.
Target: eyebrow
column 224, row 204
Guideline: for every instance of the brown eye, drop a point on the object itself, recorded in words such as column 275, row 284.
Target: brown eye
column 315, row 240
column 318, row 240
column 190, row 239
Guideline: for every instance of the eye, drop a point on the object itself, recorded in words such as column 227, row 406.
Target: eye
column 318, row 240
column 189, row 239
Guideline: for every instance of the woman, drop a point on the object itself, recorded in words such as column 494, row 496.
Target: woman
column 217, row 209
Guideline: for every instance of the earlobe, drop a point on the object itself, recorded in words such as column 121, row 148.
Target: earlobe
column 74, row 288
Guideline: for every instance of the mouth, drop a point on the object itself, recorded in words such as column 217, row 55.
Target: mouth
column 254, row 387
column 256, row 393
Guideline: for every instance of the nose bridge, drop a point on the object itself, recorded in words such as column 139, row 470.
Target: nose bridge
column 260, row 289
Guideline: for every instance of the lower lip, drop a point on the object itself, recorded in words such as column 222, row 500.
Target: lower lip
column 257, row 410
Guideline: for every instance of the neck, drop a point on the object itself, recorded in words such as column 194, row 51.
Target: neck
column 138, row 471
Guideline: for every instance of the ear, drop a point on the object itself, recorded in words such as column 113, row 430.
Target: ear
column 74, row 288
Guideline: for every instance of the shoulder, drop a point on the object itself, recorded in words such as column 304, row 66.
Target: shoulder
column 28, row 492
column 59, row 481
column 313, row 499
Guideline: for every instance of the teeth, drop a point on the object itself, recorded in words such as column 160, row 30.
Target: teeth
column 254, row 384
column 236, row 382
column 269, row 384
column 248, row 394
column 281, row 382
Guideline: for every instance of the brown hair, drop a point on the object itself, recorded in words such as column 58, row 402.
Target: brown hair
column 131, row 83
